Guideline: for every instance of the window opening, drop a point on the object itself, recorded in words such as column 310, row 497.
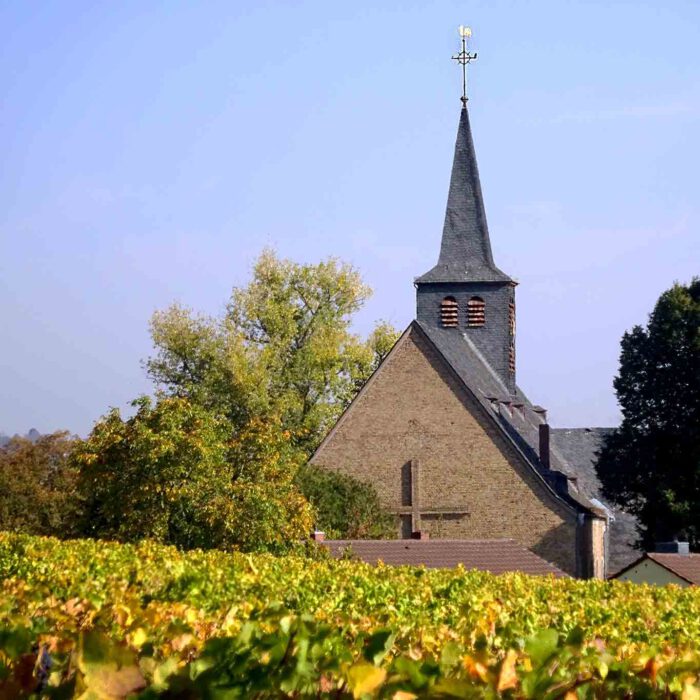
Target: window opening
column 449, row 312
column 476, row 312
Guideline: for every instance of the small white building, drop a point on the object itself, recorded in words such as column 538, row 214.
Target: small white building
column 659, row 568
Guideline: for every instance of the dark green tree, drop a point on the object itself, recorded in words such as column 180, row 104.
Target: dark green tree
column 650, row 465
column 345, row 508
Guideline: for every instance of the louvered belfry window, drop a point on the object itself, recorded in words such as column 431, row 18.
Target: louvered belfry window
column 511, row 323
column 511, row 317
column 476, row 314
column 449, row 312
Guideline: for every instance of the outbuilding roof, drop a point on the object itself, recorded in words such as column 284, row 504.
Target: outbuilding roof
column 496, row 556
column 685, row 566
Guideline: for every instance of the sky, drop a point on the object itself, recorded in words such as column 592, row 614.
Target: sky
column 150, row 150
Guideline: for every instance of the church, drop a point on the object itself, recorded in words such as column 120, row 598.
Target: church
column 452, row 445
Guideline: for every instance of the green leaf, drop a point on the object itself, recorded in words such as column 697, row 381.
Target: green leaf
column 542, row 645
column 163, row 672
column 378, row 645
column 450, row 656
column 15, row 641
column 575, row 637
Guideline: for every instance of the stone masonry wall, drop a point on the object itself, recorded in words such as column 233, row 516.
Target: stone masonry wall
column 414, row 408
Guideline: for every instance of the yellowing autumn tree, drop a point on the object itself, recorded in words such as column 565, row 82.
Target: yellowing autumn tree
column 244, row 398
column 283, row 347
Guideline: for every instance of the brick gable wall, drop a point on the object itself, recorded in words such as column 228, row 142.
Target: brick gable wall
column 415, row 409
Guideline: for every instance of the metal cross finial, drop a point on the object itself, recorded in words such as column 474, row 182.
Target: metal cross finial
column 464, row 58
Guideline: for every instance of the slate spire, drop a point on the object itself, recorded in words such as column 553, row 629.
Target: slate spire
column 465, row 252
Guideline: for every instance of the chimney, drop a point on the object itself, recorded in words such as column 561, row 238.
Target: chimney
column 674, row 547
column 544, row 445
column 318, row 536
column 420, row 535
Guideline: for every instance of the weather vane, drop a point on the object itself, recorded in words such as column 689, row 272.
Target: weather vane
column 464, row 58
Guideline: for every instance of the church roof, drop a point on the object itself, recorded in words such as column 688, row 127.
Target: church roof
column 578, row 448
column 496, row 556
column 465, row 252
column 572, row 451
column 517, row 418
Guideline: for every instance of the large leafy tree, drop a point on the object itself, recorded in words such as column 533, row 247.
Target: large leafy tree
column 651, row 465
column 173, row 473
column 38, row 486
column 244, row 399
column 283, row 347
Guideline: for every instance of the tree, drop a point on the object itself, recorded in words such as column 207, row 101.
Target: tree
column 174, row 474
column 345, row 507
column 651, row 465
column 38, row 486
column 266, row 506
column 283, row 348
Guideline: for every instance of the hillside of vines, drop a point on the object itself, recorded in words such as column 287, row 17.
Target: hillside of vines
column 105, row 620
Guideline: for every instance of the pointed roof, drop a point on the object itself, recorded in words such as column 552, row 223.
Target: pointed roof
column 465, row 253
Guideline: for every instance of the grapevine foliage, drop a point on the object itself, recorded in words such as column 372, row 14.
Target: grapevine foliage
column 105, row 620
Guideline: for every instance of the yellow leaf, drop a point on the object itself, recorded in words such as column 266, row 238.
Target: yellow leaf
column 403, row 695
column 508, row 678
column 139, row 637
column 570, row 695
column 365, row 678
column 476, row 669
column 122, row 615
column 690, row 691
column 109, row 682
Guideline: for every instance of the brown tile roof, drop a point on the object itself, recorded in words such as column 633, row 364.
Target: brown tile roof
column 686, row 566
column 496, row 556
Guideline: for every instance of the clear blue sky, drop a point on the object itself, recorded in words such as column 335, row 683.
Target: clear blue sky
column 151, row 149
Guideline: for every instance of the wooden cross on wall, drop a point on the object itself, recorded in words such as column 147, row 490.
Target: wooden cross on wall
column 415, row 509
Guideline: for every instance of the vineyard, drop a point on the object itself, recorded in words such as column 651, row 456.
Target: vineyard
column 104, row 620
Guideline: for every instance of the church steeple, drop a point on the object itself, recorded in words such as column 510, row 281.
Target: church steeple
column 465, row 294
column 465, row 252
